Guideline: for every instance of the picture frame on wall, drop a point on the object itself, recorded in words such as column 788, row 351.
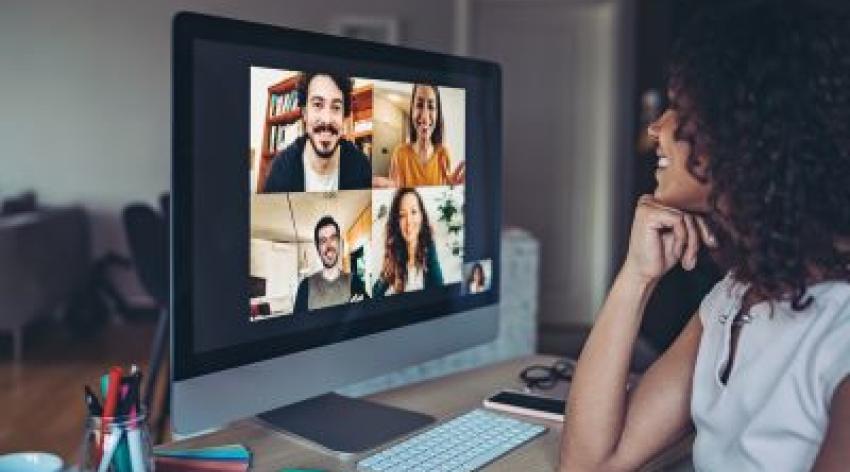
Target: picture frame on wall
column 380, row 29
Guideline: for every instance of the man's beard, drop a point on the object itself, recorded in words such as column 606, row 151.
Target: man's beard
column 332, row 263
column 316, row 148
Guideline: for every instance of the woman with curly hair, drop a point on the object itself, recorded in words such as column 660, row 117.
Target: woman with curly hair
column 410, row 256
column 753, row 162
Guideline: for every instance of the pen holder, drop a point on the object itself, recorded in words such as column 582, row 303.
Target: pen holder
column 117, row 444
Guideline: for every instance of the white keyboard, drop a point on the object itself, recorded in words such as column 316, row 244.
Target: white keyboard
column 465, row 443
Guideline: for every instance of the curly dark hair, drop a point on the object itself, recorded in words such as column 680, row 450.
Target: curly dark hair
column 344, row 84
column 763, row 90
column 437, row 135
column 394, row 271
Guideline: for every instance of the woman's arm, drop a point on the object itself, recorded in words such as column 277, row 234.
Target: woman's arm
column 834, row 455
column 451, row 177
column 604, row 430
column 459, row 174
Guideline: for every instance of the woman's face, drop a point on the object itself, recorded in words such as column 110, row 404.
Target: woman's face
column 677, row 187
column 410, row 218
column 424, row 113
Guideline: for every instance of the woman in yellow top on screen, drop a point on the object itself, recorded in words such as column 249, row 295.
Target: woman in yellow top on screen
column 424, row 160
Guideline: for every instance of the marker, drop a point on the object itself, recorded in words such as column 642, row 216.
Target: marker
column 92, row 403
column 134, row 435
column 110, row 402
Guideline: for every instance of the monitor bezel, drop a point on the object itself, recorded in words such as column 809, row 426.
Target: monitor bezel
column 188, row 27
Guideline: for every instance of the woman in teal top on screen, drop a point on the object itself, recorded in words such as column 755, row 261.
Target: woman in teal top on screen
column 754, row 163
column 410, row 255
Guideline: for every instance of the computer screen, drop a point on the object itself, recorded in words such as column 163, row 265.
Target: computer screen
column 326, row 191
column 344, row 207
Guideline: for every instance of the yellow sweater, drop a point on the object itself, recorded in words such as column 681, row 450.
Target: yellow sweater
column 410, row 172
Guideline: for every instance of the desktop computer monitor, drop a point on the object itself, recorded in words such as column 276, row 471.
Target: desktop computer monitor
column 335, row 216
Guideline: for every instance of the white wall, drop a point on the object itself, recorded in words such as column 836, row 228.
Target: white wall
column 566, row 110
column 85, row 91
column 454, row 118
column 275, row 262
column 389, row 128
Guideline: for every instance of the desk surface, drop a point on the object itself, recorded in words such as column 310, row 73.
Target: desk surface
column 442, row 398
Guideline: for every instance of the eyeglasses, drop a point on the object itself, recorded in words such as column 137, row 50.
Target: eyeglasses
column 547, row 376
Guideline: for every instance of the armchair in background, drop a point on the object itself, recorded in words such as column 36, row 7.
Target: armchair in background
column 46, row 255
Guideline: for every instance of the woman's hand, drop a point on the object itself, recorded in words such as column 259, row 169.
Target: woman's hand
column 457, row 177
column 663, row 237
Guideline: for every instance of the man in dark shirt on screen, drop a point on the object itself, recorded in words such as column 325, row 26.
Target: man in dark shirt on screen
column 321, row 160
column 329, row 286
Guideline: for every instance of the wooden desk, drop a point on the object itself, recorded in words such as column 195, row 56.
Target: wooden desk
column 442, row 398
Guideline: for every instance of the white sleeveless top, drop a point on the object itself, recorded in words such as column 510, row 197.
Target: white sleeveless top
column 773, row 412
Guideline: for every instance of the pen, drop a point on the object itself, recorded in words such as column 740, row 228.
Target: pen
column 139, row 376
column 104, row 389
column 135, row 386
column 110, row 402
column 95, row 411
column 134, row 437
column 125, row 402
column 92, row 403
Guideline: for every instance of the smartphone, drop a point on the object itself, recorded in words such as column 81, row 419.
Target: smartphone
column 527, row 404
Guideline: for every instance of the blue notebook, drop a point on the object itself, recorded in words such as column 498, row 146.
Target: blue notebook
column 229, row 452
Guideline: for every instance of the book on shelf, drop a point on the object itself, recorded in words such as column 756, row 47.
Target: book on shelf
column 281, row 136
column 283, row 103
column 290, row 133
column 272, row 138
